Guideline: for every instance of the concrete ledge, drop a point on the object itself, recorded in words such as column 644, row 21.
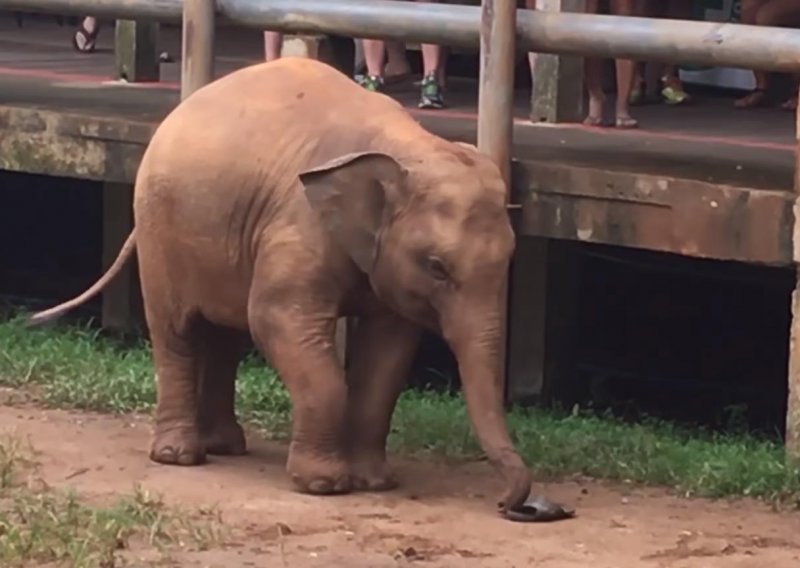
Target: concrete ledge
column 557, row 200
column 656, row 212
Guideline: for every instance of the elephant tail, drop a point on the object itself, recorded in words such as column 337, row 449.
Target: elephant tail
column 124, row 254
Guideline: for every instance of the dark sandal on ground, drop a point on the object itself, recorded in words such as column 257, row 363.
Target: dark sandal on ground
column 89, row 38
column 538, row 510
column 756, row 98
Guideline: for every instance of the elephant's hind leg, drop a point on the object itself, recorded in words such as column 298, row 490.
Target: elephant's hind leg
column 383, row 351
column 176, row 440
column 221, row 352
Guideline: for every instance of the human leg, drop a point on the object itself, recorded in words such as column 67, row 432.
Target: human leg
column 625, row 71
column 781, row 13
column 273, row 42
column 531, row 5
column 431, row 95
column 375, row 59
column 758, row 96
column 672, row 90
column 593, row 69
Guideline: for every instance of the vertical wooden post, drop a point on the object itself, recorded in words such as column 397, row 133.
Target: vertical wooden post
column 496, row 98
column 121, row 299
column 557, row 94
column 136, row 51
column 197, row 44
column 527, row 328
column 793, row 404
column 496, row 88
column 543, row 303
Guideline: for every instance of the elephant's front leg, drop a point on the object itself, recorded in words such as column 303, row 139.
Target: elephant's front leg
column 383, row 351
column 298, row 340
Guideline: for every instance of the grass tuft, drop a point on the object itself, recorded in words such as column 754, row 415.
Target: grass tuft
column 77, row 367
column 46, row 526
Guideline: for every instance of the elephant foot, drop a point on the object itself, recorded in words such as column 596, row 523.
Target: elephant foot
column 225, row 439
column 372, row 475
column 177, row 447
column 318, row 475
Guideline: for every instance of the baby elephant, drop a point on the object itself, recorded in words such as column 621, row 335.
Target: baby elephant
column 279, row 198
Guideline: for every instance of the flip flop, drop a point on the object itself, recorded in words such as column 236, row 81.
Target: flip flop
column 593, row 121
column 626, row 122
column 756, row 98
column 538, row 510
column 89, row 38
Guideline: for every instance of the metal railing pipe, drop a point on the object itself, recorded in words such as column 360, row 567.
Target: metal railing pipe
column 677, row 41
column 664, row 40
column 159, row 10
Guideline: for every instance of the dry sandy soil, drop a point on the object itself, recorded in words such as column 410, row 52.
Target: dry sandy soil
column 442, row 516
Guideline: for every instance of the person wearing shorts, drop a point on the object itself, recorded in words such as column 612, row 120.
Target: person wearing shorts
column 431, row 95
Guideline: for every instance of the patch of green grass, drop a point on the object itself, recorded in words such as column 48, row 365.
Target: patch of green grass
column 77, row 367
column 48, row 526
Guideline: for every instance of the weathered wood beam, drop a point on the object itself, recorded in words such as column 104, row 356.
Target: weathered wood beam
column 544, row 281
column 496, row 102
column 539, row 291
column 121, row 298
column 558, row 85
column 197, row 45
column 136, row 57
column 496, row 87
column 793, row 404
column 690, row 217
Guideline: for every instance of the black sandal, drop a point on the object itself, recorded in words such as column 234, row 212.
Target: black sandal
column 89, row 38
column 537, row 509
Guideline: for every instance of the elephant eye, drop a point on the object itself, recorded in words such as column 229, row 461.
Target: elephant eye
column 437, row 268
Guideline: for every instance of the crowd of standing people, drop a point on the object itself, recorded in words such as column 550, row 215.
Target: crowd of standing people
column 384, row 61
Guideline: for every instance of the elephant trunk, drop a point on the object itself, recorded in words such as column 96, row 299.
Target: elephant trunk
column 476, row 347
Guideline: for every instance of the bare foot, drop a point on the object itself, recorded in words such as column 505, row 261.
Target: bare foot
column 790, row 104
column 591, row 120
column 756, row 98
column 595, row 116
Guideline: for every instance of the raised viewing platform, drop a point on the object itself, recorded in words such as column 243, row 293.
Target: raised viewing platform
column 703, row 180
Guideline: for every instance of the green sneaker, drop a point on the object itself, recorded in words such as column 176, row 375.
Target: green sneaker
column 672, row 92
column 431, row 95
column 371, row 82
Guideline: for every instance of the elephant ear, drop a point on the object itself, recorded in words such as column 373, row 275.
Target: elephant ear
column 354, row 196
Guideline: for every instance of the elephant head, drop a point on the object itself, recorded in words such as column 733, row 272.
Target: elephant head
column 432, row 233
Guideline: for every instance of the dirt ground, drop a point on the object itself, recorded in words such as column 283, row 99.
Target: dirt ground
column 442, row 516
